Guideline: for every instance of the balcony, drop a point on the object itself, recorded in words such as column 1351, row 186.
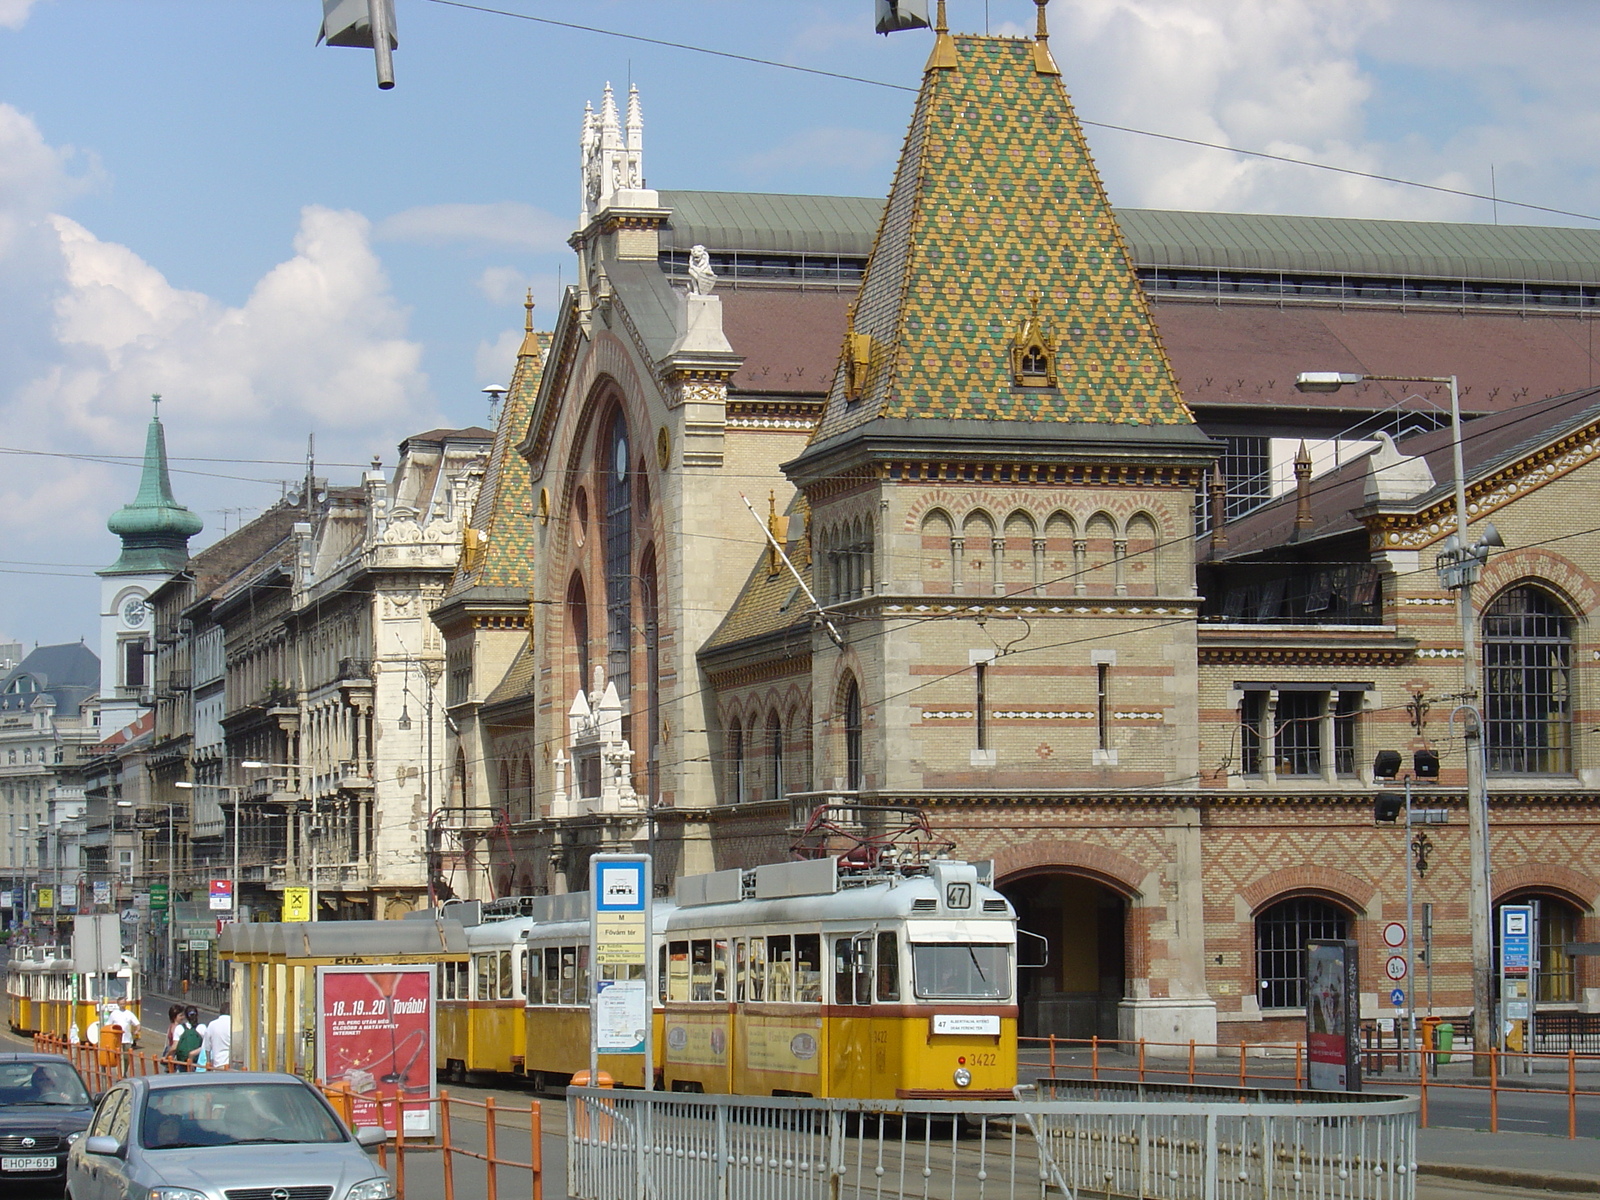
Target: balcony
column 176, row 682
column 354, row 777
column 355, row 669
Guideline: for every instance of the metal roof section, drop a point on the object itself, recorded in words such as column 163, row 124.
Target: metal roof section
column 1349, row 246
column 782, row 224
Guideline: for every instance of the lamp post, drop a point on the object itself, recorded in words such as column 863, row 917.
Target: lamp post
column 254, row 765
column 430, row 676
column 187, row 785
column 1458, row 566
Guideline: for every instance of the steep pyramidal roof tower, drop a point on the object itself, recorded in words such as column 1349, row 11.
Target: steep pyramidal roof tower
column 155, row 529
column 1000, row 288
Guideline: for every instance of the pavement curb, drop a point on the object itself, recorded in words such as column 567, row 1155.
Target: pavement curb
column 1547, row 1181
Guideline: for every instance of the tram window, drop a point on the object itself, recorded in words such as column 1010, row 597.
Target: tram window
column 661, row 972
column 569, row 975
column 552, row 975
column 844, row 974
column 483, row 964
column 758, row 969
column 507, row 984
column 780, row 969
column 719, row 970
column 700, row 970
column 863, row 965
column 808, row 968
column 533, row 987
column 583, row 975
column 962, row 971
column 888, row 967
column 678, row 971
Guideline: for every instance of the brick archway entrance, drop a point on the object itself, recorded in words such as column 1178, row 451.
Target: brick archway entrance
column 1085, row 923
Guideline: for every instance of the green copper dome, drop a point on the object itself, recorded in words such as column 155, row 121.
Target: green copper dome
column 155, row 529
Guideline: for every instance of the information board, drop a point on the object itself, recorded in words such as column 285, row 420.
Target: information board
column 375, row 1034
column 619, row 948
column 1333, row 1004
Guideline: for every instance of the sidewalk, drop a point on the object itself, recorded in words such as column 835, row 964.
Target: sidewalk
column 1519, row 1160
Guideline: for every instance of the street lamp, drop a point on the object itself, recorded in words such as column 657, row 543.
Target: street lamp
column 1458, row 567
column 430, row 677
column 254, row 765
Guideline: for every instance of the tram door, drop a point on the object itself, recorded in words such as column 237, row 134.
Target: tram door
column 1076, row 995
column 863, row 1050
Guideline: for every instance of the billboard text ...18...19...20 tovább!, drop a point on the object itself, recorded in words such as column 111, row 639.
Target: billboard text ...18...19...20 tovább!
column 375, row 1035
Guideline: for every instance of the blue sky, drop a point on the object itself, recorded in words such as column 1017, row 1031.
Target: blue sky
column 197, row 200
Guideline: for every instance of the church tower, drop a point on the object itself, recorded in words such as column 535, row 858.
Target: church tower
column 155, row 531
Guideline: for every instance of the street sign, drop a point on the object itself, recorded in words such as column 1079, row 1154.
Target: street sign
column 5, row 899
column 1395, row 967
column 69, row 895
column 620, row 951
column 296, row 904
column 159, row 896
column 47, row 898
column 222, row 895
column 198, row 944
column 1398, row 997
column 1394, row 935
column 102, row 891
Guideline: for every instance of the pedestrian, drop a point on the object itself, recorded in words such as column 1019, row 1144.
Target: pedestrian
column 169, row 1052
column 217, row 1041
column 122, row 1018
column 190, row 1039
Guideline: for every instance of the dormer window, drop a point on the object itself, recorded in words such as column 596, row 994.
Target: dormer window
column 1033, row 358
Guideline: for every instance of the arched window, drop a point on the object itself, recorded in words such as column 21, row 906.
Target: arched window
column 616, row 469
column 578, row 629
column 736, row 762
column 1282, row 930
column 775, row 780
column 1556, row 923
column 852, row 738
column 1527, row 657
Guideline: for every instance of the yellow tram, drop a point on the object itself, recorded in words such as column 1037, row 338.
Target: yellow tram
column 45, row 994
column 810, row 978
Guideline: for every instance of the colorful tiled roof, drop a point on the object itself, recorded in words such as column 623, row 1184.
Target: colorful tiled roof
column 771, row 602
column 503, row 515
column 997, row 208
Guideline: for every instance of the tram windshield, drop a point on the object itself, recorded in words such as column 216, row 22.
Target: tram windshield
column 962, row 971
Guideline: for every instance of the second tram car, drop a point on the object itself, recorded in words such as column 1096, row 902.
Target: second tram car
column 45, row 994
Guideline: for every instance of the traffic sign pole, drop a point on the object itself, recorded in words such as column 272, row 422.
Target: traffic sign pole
column 1411, row 941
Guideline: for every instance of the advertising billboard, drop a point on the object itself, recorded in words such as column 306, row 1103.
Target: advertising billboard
column 619, row 947
column 1333, row 1016
column 375, row 1034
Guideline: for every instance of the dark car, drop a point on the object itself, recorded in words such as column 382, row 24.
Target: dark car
column 44, row 1108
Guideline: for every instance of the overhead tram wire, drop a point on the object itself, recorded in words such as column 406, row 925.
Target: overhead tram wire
column 901, row 87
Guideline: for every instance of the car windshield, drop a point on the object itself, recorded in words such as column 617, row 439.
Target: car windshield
column 962, row 971
column 237, row 1114
column 52, row 1083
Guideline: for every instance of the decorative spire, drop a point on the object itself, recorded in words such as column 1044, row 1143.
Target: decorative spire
column 635, row 139
column 530, row 343
column 943, row 57
column 1042, row 62
column 155, row 529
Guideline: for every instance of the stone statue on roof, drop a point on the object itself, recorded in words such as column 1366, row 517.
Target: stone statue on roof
column 702, row 279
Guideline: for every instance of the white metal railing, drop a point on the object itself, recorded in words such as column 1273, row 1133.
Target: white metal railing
column 631, row 1145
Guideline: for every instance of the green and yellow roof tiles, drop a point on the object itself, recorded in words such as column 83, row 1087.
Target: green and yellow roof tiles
column 503, row 513
column 996, row 207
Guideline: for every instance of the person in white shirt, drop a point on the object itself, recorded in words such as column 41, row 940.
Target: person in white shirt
column 216, row 1043
column 122, row 1017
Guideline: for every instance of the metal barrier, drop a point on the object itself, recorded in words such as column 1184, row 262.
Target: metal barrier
column 632, row 1145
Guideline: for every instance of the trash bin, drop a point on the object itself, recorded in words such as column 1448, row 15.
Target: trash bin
column 1444, row 1037
column 1429, row 1024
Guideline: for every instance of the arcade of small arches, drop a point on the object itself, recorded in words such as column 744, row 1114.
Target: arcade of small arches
column 1100, row 554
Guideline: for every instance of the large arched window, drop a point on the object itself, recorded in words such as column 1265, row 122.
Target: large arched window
column 775, row 780
column 650, row 606
column 1282, row 931
column 853, row 773
column 1527, row 660
column 617, row 522
column 578, row 629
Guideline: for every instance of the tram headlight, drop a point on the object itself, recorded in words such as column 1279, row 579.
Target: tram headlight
column 963, row 1077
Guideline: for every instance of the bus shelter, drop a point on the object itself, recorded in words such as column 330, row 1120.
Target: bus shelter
column 274, row 990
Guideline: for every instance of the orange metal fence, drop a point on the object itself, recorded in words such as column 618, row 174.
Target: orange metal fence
column 1209, row 1062
column 102, row 1067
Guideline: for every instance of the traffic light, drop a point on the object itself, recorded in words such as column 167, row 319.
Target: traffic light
column 1425, row 763
column 1386, row 808
column 1386, row 765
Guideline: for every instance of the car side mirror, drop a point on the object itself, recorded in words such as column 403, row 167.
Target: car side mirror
column 1037, row 953
column 100, row 1144
column 371, row 1135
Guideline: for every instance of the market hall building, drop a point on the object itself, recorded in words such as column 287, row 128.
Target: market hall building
column 988, row 423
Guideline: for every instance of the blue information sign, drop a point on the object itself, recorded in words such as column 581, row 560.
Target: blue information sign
column 1398, row 997
column 619, row 886
column 1516, row 939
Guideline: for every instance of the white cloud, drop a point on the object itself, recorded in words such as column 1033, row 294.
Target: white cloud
column 494, row 361
column 826, row 149
column 14, row 13
column 506, row 223
column 504, row 285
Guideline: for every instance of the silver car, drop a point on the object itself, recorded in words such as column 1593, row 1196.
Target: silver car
column 222, row 1136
